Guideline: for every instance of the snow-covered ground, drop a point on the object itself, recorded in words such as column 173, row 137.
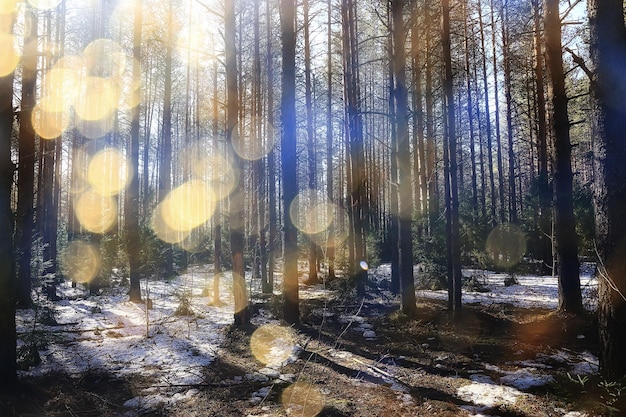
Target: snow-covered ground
column 109, row 333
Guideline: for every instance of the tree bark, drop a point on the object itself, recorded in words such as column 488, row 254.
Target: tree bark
column 133, row 241
column 405, row 198
column 291, row 302
column 235, row 217
column 607, row 37
column 570, row 298
column 8, row 368
column 26, row 165
column 451, row 145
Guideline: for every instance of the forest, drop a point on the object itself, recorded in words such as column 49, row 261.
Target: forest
column 314, row 207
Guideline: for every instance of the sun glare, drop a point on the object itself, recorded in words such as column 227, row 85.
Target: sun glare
column 9, row 57
column 506, row 245
column 302, row 399
column 109, row 172
column 80, row 261
column 95, row 212
column 272, row 344
column 310, row 213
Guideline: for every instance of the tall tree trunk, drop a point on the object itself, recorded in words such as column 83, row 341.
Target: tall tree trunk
column 502, row 211
column 393, row 165
column 271, row 158
column 356, row 179
column 405, row 208
column 259, row 165
column 217, row 215
column 133, row 241
column 509, row 113
column 8, row 356
column 26, row 165
column 313, row 279
column 545, row 193
column 608, row 35
column 235, row 218
column 492, row 181
column 570, row 298
column 165, row 165
column 329, row 143
column 450, row 145
column 470, row 114
column 291, row 304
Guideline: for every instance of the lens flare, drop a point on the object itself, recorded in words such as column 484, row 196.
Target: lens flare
column 216, row 170
column 7, row 6
column 188, row 206
column 162, row 229
column 310, row 213
column 109, row 172
column 44, row 4
column 80, row 261
column 49, row 124
column 364, row 266
column 252, row 149
column 302, row 399
column 104, row 58
column 95, row 212
column 97, row 99
column 63, row 82
column 506, row 245
column 272, row 344
column 9, row 57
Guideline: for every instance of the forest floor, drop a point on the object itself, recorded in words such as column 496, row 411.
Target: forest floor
column 104, row 356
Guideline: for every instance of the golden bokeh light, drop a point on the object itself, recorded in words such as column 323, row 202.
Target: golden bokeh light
column 80, row 261
column 44, row 4
column 216, row 170
column 95, row 129
column 252, row 149
column 328, row 240
column 506, row 245
column 104, row 58
column 310, row 213
column 63, row 82
column 109, row 172
column 97, row 98
column 49, row 124
column 302, row 399
column 128, row 89
column 9, row 57
column 162, row 230
column 95, row 212
column 188, row 206
column 272, row 344
column 192, row 43
column 8, row 6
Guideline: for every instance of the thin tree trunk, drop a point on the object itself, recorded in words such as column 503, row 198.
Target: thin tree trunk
column 165, row 166
column 26, row 165
column 312, row 279
column 545, row 194
column 271, row 158
column 329, row 145
column 133, row 244
column 509, row 114
column 236, row 220
column 396, row 286
column 405, row 209
column 501, row 214
column 291, row 303
column 570, row 298
column 455, row 245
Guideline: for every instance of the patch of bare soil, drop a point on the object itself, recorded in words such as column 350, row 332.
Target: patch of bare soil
column 363, row 358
